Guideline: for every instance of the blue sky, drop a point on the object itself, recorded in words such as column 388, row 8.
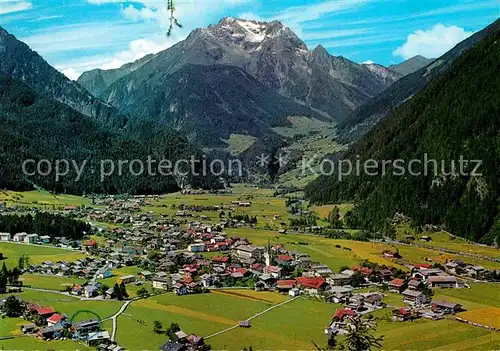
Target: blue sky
column 78, row 35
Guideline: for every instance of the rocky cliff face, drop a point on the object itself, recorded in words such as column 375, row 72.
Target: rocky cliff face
column 17, row 60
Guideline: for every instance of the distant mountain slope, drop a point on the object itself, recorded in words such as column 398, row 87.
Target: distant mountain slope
column 367, row 115
column 209, row 103
column 456, row 115
column 411, row 65
column 98, row 80
column 270, row 53
column 17, row 60
column 35, row 127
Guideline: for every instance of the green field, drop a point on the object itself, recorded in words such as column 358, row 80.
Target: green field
column 37, row 253
column 424, row 334
column 49, row 281
column 41, row 199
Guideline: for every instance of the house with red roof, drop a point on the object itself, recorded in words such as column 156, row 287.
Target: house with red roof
column 220, row 259
column 312, row 285
column 273, row 271
column 397, row 285
column 366, row 271
column 90, row 243
column 32, row 308
column 285, row 285
column 422, row 266
column 402, row 314
column 284, row 259
column 341, row 313
column 55, row 319
column 45, row 312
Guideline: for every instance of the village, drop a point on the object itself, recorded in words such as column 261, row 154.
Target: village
column 188, row 253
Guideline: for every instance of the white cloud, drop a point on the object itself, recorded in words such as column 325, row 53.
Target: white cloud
column 71, row 73
column 10, row 6
column 369, row 62
column 137, row 49
column 433, row 42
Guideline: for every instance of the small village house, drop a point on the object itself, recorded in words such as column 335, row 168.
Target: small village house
column 414, row 297
column 126, row 279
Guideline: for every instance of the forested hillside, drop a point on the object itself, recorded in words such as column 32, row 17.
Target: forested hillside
column 457, row 114
column 34, row 127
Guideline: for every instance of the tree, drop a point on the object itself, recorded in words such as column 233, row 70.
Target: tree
column 14, row 276
column 359, row 336
column 174, row 328
column 357, row 279
column 143, row 292
column 332, row 342
column 334, row 220
column 12, row 307
column 117, row 293
column 157, row 327
column 123, row 291
column 102, row 289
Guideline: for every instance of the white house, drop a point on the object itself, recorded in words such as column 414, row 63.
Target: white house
column 414, row 297
column 4, row 236
column 162, row 283
column 19, row 237
column 31, row 238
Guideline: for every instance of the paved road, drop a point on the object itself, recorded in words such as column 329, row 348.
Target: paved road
column 252, row 317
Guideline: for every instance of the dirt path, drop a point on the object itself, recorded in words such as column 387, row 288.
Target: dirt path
column 252, row 317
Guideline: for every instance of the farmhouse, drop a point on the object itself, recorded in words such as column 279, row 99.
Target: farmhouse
column 338, row 279
column 125, row 279
column 443, row 281
column 55, row 319
column 50, row 332
column 285, row 285
column 311, row 285
column 162, row 283
column 402, row 314
column 397, row 285
column 445, row 307
column 4, row 236
column 248, row 251
column 414, row 297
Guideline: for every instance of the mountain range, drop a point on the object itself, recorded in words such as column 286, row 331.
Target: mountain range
column 267, row 59
column 455, row 116
column 366, row 116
